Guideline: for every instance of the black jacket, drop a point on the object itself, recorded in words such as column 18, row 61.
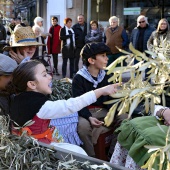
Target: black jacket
column 67, row 51
column 80, row 35
column 2, row 32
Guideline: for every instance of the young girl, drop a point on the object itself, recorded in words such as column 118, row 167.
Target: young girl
column 33, row 84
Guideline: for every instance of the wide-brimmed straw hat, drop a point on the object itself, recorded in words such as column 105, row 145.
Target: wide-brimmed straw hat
column 22, row 37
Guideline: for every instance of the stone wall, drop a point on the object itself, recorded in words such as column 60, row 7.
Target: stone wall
column 78, row 8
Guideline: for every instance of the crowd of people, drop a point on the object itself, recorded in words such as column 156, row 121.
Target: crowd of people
column 27, row 80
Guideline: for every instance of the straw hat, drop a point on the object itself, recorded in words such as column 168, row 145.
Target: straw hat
column 23, row 36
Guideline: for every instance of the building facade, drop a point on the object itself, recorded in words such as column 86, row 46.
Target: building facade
column 100, row 10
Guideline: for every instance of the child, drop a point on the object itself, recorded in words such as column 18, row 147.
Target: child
column 23, row 45
column 7, row 65
column 53, row 42
column 91, row 77
column 33, row 84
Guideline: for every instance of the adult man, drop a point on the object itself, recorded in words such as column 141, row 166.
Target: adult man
column 115, row 36
column 80, row 30
column 141, row 33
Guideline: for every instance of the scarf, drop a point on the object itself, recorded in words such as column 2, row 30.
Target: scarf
column 85, row 73
column 73, row 36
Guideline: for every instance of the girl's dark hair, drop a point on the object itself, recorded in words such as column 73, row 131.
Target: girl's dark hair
column 22, row 74
column 66, row 20
column 94, row 22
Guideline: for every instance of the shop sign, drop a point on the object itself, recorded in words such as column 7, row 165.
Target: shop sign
column 132, row 11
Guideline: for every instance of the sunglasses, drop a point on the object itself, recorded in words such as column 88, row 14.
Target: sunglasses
column 141, row 22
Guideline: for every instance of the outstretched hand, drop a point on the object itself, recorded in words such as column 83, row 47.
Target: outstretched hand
column 106, row 90
column 95, row 122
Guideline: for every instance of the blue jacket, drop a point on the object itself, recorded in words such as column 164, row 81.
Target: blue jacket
column 135, row 35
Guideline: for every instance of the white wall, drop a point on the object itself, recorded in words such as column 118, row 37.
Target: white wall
column 56, row 7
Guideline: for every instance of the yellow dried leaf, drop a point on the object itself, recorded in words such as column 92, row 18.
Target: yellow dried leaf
column 133, row 105
column 144, row 66
column 163, row 99
column 138, row 53
column 146, row 105
column 112, row 101
column 123, row 51
column 110, row 115
column 136, row 91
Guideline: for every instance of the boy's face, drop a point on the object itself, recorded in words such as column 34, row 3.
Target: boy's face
column 100, row 62
column 54, row 22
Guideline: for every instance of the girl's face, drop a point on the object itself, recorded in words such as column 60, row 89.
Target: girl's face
column 69, row 23
column 27, row 51
column 42, row 80
column 93, row 26
column 163, row 25
column 54, row 22
column 4, row 81
column 101, row 61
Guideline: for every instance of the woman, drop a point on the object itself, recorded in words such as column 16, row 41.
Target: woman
column 32, row 84
column 40, row 49
column 94, row 35
column 23, row 45
column 159, row 37
column 38, row 22
column 67, row 38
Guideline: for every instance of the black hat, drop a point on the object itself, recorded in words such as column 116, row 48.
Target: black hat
column 92, row 49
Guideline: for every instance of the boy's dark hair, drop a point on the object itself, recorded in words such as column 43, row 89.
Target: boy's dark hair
column 54, row 18
column 22, row 74
column 90, row 50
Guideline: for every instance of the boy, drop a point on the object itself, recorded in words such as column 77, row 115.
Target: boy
column 7, row 66
column 54, row 43
column 90, row 77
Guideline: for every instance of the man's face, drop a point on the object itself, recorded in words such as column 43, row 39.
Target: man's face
column 142, row 23
column 113, row 23
column 80, row 19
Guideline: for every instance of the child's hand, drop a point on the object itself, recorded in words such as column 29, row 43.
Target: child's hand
column 106, row 90
column 17, row 56
column 95, row 122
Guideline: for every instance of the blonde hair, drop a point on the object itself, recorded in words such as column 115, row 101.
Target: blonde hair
column 160, row 22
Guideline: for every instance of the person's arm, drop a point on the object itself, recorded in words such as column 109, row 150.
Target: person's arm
column 150, row 42
column 61, row 108
column 125, row 39
column 77, row 90
column 4, row 33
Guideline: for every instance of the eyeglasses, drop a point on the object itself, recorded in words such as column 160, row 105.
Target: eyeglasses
column 141, row 22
